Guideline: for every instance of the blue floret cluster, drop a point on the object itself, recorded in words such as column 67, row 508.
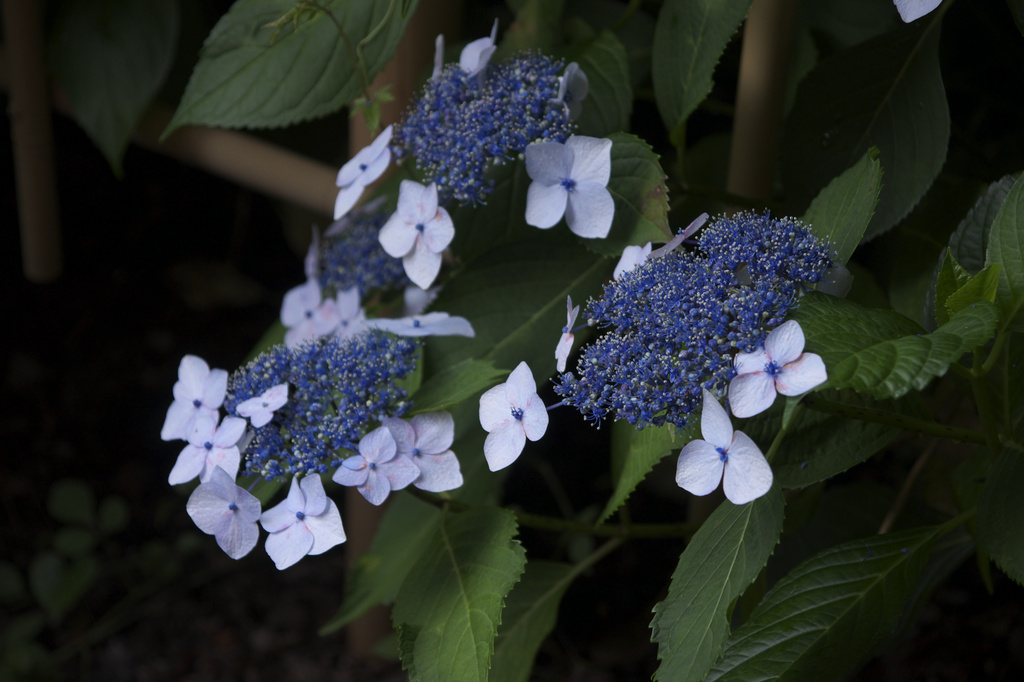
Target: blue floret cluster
column 354, row 257
column 338, row 390
column 676, row 322
column 459, row 126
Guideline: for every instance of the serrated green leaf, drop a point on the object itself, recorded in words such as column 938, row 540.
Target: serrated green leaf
column 110, row 58
column 691, row 625
column 969, row 243
column 1006, row 247
column 455, row 384
column 830, row 611
column 609, row 101
column 842, row 210
column 950, row 278
column 1001, row 510
column 404, row 534
column 502, row 220
column 71, row 500
column 981, row 287
column 530, row 613
column 448, row 609
column 244, row 79
column 634, row 454
column 885, row 93
column 637, row 185
column 882, row 353
column 689, row 38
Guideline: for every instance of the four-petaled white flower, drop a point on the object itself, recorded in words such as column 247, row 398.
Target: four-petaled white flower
column 565, row 341
column 511, row 413
column 377, row 469
column 198, row 392
column 632, row 256
column 306, row 522
column 724, row 456
column 428, row 324
column 367, row 165
column 780, row 366
column 351, row 316
column 418, row 232
column 260, row 410
column 209, row 446
column 226, row 511
column 573, row 86
column 571, row 179
column 915, row 9
column 477, row 54
column 306, row 315
column 427, row 441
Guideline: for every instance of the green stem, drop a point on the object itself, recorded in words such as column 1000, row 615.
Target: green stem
column 376, row 29
column 996, row 352
column 902, row 421
column 983, row 402
column 781, row 435
column 355, row 55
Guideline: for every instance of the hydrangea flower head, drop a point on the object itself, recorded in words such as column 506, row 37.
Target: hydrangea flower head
column 260, row 410
column 367, row 165
column 378, row 468
column 307, row 522
column 209, row 447
column 724, row 456
column 426, row 440
column 351, row 254
column 226, row 511
column 571, row 179
column 511, row 413
column 198, row 392
column 780, row 366
column 460, row 125
column 418, row 232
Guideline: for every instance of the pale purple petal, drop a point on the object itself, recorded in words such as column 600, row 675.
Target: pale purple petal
column 435, row 432
column 397, row 237
column 431, row 324
column 403, row 433
column 210, row 507
column 520, row 386
column 494, row 408
column 747, row 473
column 346, row 199
column 229, row 432
column 326, row 528
column 288, row 546
column 745, row 363
column 189, row 464
column 632, row 256
column 911, row 10
column 353, row 471
column 751, row 394
column 438, row 473
column 439, row 231
column 590, row 211
column 699, row 468
column 400, row 472
column 376, row 487
column 378, row 446
column 592, row 159
column 227, row 459
column 260, row 410
column 416, row 299
column 279, row 517
column 801, row 375
column 417, row 203
column 314, row 499
column 438, row 55
column 299, row 300
column 548, row 162
column 192, row 374
column 366, row 166
column 476, row 54
column 535, row 418
column 181, row 416
column 785, row 343
column 504, row 445
column 422, row 265
column 714, row 422
column 545, row 204
column 562, row 350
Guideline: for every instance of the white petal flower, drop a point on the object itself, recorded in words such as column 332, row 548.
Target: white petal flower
column 209, row 446
column 511, row 413
column 429, row 324
column 573, row 86
column 565, row 341
column 377, row 469
column 427, row 441
column 367, row 165
column 632, row 256
column 306, row 315
column 260, row 410
column 724, row 456
column 198, row 392
column 915, row 9
column 306, row 522
column 226, row 511
column 780, row 366
column 571, row 179
column 351, row 316
column 418, row 232
column 477, row 54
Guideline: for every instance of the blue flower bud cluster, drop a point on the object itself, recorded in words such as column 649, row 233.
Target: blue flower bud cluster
column 354, row 257
column 338, row 390
column 459, row 126
column 676, row 322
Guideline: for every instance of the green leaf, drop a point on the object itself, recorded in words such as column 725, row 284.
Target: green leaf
column 841, row 212
column 71, row 500
column 502, row 220
column 530, row 612
column 244, row 79
column 829, row 612
column 885, row 93
column 691, row 625
column 689, row 39
column 1006, row 247
column 637, row 185
column 536, row 27
column 950, row 278
column 634, row 454
column 110, row 58
column 449, row 607
column 981, row 287
column 455, row 384
column 609, row 101
column 882, row 353
column 969, row 243
column 1001, row 511
column 585, row 17
column 405, row 532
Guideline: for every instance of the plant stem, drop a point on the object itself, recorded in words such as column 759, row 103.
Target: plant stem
column 983, row 403
column 870, row 414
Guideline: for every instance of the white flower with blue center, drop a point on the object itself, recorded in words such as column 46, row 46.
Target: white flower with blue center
column 571, row 179
column 378, row 468
column 427, row 440
column 511, row 413
column 307, row 522
column 259, row 410
column 209, row 446
column 198, row 392
column 226, row 511
column 367, row 165
column 418, row 232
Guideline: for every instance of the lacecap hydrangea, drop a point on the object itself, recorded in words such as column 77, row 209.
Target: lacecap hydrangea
column 460, row 124
column 339, row 389
column 351, row 256
column 675, row 323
